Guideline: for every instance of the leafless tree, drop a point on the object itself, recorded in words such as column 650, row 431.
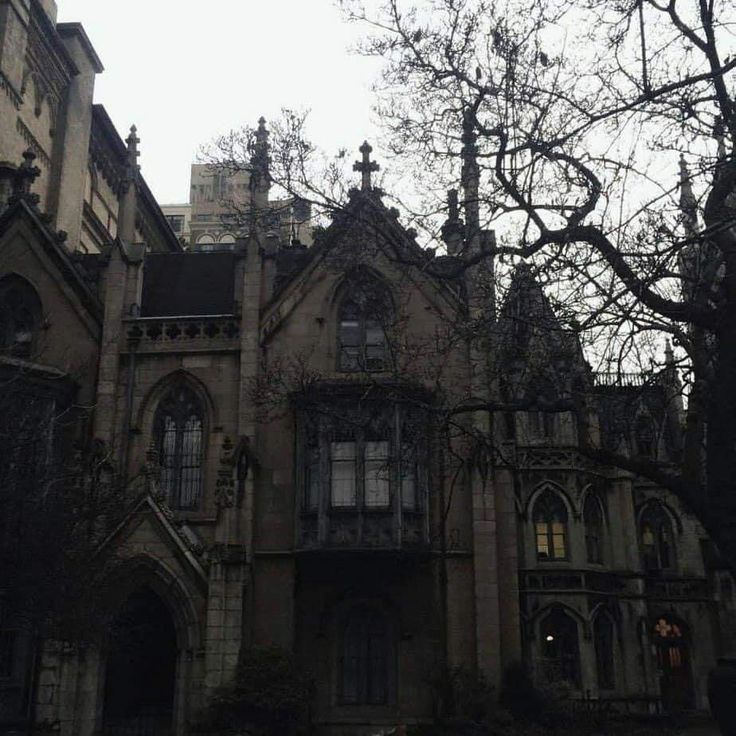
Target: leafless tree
column 565, row 121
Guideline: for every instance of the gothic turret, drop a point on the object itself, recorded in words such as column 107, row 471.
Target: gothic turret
column 129, row 189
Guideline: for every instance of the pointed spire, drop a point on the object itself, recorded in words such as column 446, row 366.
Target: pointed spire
column 259, row 148
column 129, row 188
column 365, row 166
column 470, row 176
column 260, row 177
column 132, row 142
column 688, row 203
column 452, row 230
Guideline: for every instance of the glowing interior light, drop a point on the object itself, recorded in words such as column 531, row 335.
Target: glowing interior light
column 550, row 637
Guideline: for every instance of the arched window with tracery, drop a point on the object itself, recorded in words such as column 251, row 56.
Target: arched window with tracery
column 559, row 647
column 645, row 437
column 550, row 527
column 603, row 640
column 365, row 658
column 179, row 428
column 363, row 316
column 594, row 529
column 20, row 316
column 656, row 538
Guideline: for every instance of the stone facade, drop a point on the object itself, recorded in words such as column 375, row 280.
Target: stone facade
column 302, row 469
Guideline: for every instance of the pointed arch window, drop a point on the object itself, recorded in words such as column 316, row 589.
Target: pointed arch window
column 550, row 527
column 20, row 316
column 364, row 660
column 594, row 529
column 542, row 424
column 362, row 320
column 560, row 648
column 603, row 640
column 657, row 541
column 179, row 434
column 645, row 437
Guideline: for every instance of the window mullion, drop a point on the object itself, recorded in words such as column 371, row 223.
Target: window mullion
column 178, row 459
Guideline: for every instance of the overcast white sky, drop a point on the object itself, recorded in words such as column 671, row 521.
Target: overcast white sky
column 184, row 71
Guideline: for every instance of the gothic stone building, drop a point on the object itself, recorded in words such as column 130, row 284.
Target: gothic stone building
column 297, row 473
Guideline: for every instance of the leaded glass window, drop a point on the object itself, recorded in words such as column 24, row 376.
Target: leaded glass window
column 645, row 437
column 594, row 529
column 343, row 473
column 362, row 320
column 656, row 538
column 550, row 527
column 362, row 458
column 376, row 473
column 179, row 430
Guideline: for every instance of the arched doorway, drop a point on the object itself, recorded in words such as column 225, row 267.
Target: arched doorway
column 141, row 669
column 673, row 663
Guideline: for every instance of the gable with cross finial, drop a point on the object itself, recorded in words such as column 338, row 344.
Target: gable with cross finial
column 366, row 167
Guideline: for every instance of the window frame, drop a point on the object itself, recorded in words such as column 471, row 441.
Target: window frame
column 391, row 423
column 593, row 502
column 658, row 520
column 367, row 306
column 546, row 502
column 180, row 403
column 645, row 437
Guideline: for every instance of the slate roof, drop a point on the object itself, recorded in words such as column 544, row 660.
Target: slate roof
column 188, row 284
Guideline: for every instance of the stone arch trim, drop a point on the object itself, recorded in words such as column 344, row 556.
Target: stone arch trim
column 144, row 570
column 584, row 624
column 147, row 409
column 650, row 503
column 590, row 490
column 542, row 488
column 341, row 285
column 606, row 609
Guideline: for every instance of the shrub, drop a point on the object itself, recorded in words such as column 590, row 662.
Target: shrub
column 268, row 695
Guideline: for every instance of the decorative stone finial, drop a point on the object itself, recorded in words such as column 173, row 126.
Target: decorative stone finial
column 23, row 179
column 453, row 208
column 688, row 204
column 366, row 167
column 132, row 142
column 669, row 355
column 452, row 230
column 719, row 133
column 259, row 159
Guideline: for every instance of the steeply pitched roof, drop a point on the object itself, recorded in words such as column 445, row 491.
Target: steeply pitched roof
column 56, row 252
column 180, row 284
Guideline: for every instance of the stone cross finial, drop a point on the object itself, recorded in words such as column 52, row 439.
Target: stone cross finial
column 366, row 167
